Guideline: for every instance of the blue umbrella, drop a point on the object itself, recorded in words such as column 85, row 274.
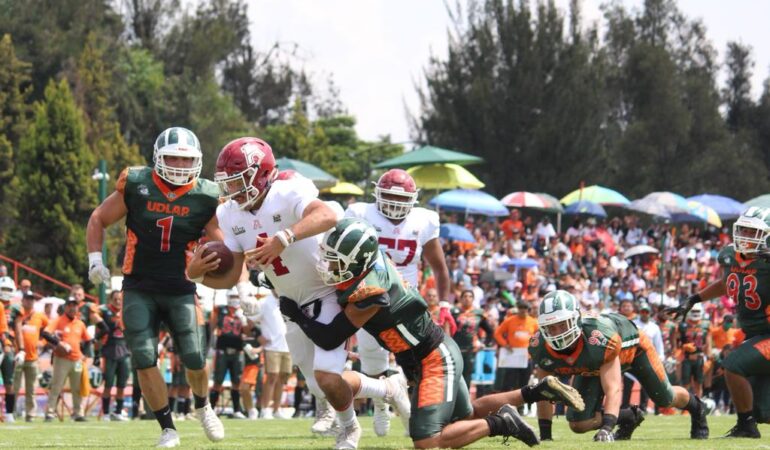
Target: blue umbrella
column 587, row 208
column 726, row 207
column 469, row 201
column 524, row 263
column 456, row 233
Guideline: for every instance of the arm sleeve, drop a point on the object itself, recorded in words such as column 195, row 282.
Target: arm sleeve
column 53, row 340
column 328, row 336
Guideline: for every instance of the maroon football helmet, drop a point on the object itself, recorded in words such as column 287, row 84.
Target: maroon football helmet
column 245, row 171
column 396, row 194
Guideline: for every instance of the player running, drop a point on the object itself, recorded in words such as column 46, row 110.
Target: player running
column 276, row 225
column 167, row 207
column 746, row 279
column 375, row 298
column 406, row 233
column 597, row 350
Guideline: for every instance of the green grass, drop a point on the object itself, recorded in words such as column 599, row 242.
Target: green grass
column 655, row 433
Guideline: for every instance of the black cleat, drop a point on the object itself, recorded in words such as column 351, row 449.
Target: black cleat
column 516, row 426
column 626, row 429
column 745, row 430
column 556, row 391
column 699, row 427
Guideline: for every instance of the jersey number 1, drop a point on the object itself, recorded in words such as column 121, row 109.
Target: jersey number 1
column 277, row 263
column 165, row 232
column 751, row 298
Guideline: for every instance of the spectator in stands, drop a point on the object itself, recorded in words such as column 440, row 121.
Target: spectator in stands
column 513, row 338
column 25, row 287
column 513, row 222
column 278, row 365
column 70, row 332
column 440, row 314
column 28, row 324
column 3, row 270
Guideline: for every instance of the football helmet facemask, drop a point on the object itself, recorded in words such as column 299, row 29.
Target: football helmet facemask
column 395, row 183
column 245, row 171
column 179, row 142
column 557, row 307
column 751, row 232
column 347, row 251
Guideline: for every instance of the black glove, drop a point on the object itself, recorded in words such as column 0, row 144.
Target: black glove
column 258, row 278
column 684, row 307
column 291, row 309
column 603, row 436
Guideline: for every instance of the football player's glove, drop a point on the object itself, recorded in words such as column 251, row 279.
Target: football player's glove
column 19, row 358
column 97, row 273
column 290, row 309
column 684, row 307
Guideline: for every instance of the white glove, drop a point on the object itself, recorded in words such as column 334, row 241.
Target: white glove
column 240, row 316
column 97, row 273
column 250, row 351
column 250, row 306
column 19, row 358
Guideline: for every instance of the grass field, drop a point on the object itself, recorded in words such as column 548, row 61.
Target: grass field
column 662, row 432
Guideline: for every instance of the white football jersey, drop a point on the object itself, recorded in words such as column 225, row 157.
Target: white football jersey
column 403, row 241
column 294, row 273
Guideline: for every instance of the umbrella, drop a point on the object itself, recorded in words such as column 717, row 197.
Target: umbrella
column 674, row 203
column 522, row 263
column 650, row 207
column 320, row 178
column 444, row 176
column 455, row 232
column 429, row 155
column 524, row 199
column 698, row 212
column 597, row 194
column 470, row 202
column 343, row 188
column 726, row 207
column 552, row 203
column 587, row 208
column 639, row 250
column 762, row 201
column 606, row 238
column 493, row 276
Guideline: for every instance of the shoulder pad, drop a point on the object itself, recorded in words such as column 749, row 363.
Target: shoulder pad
column 726, row 255
column 368, row 287
column 357, row 210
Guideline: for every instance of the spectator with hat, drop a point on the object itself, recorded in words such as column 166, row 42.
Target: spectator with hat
column 513, row 337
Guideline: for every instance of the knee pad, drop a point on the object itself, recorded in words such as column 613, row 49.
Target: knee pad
column 193, row 360
column 143, row 356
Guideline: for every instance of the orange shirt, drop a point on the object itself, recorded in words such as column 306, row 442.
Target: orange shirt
column 3, row 320
column 31, row 324
column 720, row 336
column 515, row 331
column 72, row 332
column 509, row 225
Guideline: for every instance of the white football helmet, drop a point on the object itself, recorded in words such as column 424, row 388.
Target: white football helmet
column 7, row 289
column 751, row 231
column 696, row 313
column 181, row 142
column 233, row 298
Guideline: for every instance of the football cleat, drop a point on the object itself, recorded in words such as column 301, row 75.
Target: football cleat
column 325, row 423
column 745, row 430
column 556, row 391
column 699, row 427
column 168, row 439
column 348, row 437
column 397, row 396
column 381, row 417
column 516, row 427
column 238, row 415
column 211, row 424
column 626, row 429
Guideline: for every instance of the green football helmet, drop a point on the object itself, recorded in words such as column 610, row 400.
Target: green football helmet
column 347, row 251
column 179, row 142
column 751, row 232
column 557, row 307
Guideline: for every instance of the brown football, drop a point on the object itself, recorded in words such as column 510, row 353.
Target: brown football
column 223, row 253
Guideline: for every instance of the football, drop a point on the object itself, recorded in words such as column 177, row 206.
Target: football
column 223, row 253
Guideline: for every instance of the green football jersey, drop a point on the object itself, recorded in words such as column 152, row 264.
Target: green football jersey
column 403, row 324
column 602, row 339
column 229, row 328
column 162, row 224
column 747, row 282
column 467, row 327
column 696, row 334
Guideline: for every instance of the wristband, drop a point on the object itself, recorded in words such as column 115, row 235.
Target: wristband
column 281, row 235
column 609, row 421
column 290, row 235
column 198, row 279
column 95, row 258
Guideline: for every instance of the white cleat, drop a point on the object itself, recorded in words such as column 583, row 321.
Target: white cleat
column 325, row 416
column 278, row 414
column 253, row 414
column 381, row 417
column 238, row 415
column 106, row 418
column 211, row 424
column 348, row 437
column 267, row 414
column 115, row 417
column 397, row 396
column 9, row 418
column 168, row 439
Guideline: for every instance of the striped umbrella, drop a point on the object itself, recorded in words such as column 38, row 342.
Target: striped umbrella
column 523, row 199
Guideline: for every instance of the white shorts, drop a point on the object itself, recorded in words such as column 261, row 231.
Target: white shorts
column 374, row 358
column 310, row 357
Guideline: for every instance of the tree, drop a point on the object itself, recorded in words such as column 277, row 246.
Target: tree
column 54, row 173
column 737, row 93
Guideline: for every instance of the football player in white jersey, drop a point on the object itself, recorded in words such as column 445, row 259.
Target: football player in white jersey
column 277, row 225
column 406, row 233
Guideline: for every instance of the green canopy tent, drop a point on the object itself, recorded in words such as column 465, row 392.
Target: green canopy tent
column 429, row 155
column 320, row 178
